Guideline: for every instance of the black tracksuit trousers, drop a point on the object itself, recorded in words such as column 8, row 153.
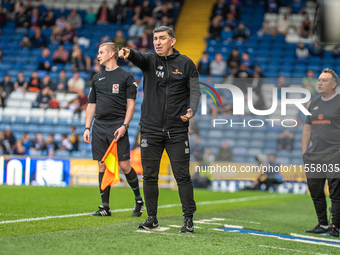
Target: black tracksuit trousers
column 176, row 144
column 316, row 184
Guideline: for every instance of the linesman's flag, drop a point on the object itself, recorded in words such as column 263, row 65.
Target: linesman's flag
column 110, row 159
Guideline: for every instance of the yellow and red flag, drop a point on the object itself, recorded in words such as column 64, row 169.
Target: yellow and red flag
column 110, row 159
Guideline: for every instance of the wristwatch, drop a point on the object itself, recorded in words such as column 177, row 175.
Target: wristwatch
column 126, row 126
column 87, row 128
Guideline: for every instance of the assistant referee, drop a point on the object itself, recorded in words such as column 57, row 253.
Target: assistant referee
column 322, row 159
column 112, row 103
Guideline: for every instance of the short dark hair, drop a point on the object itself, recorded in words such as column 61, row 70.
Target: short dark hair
column 334, row 76
column 110, row 46
column 169, row 30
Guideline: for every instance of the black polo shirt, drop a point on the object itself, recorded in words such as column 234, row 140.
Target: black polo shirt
column 325, row 122
column 110, row 91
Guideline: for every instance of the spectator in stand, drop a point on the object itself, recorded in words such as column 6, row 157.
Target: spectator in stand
column 224, row 109
column 310, row 82
column 266, row 29
column 258, row 69
column 54, row 103
column 37, row 143
column 61, row 22
column 227, row 34
column 230, row 21
column 3, row 17
column 49, row 149
column 60, row 55
column 336, row 51
column 38, row 40
column 144, row 43
column 66, row 145
column 75, row 19
column 53, row 143
column 0, row 55
column 284, row 25
column 316, row 49
column 25, row 42
column 56, row 35
column 241, row 32
column 234, row 59
column 19, row 149
column 245, row 60
column 9, row 140
column 230, row 77
column 297, row 6
column 49, row 20
column 281, row 83
column 20, row 84
column 119, row 39
column 43, row 99
column 272, row 6
column 215, row 28
column 74, row 138
column 41, row 7
column 219, row 9
column 7, row 5
column 218, row 66
column 150, row 26
column 197, row 150
column 76, row 83
column 26, row 142
column 306, row 29
column 194, row 129
column 35, row 18
column 45, row 60
column 69, row 35
column 103, row 14
column 96, row 68
column 29, row 7
column 208, row 157
column 146, row 11
column 22, row 19
column 301, row 117
column 78, row 104
column 256, row 84
column 6, row 87
column 204, row 64
column 136, row 30
column 165, row 11
column 61, row 82
column 34, row 84
column 131, row 44
column 285, row 140
column 301, row 51
column 234, row 11
column 118, row 13
column 224, row 154
column 242, row 81
column 79, row 61
column 47, row 82
column 90, row 16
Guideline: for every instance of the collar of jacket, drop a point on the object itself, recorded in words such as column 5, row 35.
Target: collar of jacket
column 172, row 56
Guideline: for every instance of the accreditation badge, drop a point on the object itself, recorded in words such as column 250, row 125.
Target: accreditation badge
column 115, row 88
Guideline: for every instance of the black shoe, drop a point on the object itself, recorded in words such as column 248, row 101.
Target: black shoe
column 188, row 226
column 333, row 231
column 317, row 230
column 102, row 211
column 138, row 209
column 150, row 223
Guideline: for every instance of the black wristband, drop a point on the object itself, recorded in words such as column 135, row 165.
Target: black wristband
column 87, row 128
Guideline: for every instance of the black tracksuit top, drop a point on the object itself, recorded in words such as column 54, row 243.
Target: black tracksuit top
column 170, row 86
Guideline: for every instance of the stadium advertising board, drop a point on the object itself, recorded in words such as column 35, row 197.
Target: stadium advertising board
column 34, row 171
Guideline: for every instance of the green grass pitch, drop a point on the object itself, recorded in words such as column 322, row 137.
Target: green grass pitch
column 118, row 234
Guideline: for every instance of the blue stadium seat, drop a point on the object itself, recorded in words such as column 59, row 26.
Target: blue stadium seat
column 270, row 144
column 283, row 160
column 63, row 154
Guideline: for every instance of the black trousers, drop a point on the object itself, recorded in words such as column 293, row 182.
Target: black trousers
column 177, row 146
column 316, row 184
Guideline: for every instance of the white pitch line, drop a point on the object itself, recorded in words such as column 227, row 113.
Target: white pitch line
column 161, row 233
column 233, row 200
column 285, row 249
column 316, row 238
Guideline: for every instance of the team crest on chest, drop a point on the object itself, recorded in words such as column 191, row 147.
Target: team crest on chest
column 115, row 88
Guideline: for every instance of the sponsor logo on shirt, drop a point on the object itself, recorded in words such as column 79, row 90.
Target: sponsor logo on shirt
column 144, row 143
column 315, row 108
column 160, row 74
column 321, row 120
column 177, row 72
column 115, row 88
column 135, row 83
column 102, row 78
column 160, row 67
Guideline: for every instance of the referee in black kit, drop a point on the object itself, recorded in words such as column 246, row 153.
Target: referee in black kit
column 322, row 159
column 112, row 103
column 171, row 97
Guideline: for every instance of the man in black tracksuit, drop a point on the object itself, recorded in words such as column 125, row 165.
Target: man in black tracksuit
column 171, row 98
column 322, row 158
